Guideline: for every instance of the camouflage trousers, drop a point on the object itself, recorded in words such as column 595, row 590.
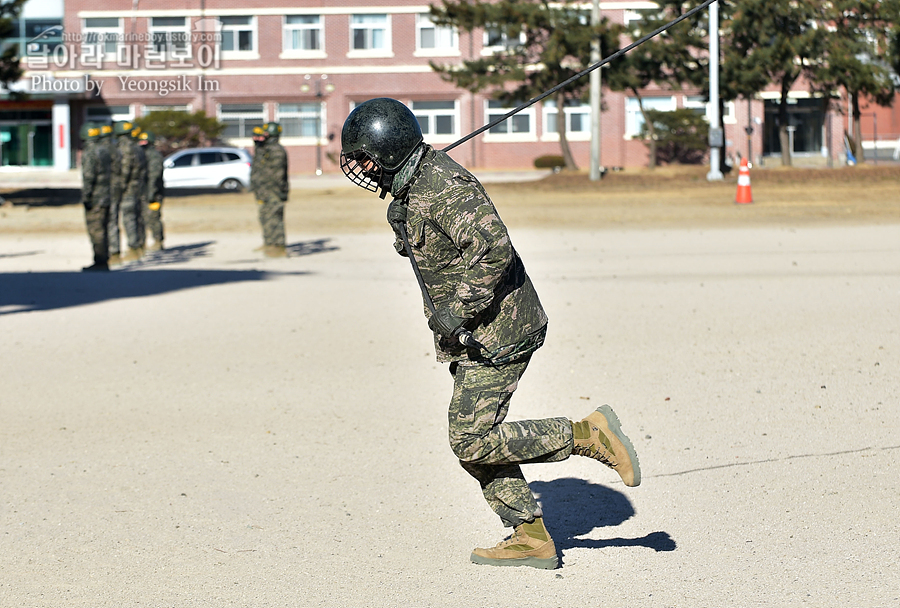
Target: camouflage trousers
column 153, row 220
column 97, row 220
column 271, row 218
column 133, row 221
column 112, row 228
column 491, row 450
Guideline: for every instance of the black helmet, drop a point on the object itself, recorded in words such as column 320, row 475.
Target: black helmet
column 378, row 137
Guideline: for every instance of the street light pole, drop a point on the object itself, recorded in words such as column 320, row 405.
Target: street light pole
column 596, row 100
column 716, row 136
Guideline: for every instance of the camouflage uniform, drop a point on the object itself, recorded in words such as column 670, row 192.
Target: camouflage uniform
column 468, row 264
column 134, row 179
column 115, row 197
column 96, row 176
column 154, row 193
column 269, row 183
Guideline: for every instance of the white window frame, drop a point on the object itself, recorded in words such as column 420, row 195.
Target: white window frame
column 488, row 49
column 549, row 119
column 511, row 123
column 248, row 119
column 235, row 29
column 446, row 39
column 306, row 111
column 431, row 115
column 109, row 35
column 170, row 53
column 288, row 29
column 370, row 28
column 633, row 117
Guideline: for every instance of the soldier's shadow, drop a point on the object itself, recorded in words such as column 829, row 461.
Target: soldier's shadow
column 575, row 507
column 310, row 247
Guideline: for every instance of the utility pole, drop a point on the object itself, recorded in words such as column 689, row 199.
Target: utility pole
column 716, row 135
column 596, row 100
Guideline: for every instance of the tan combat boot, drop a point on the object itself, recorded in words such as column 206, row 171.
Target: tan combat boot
column 600, row 436
column 133, row 254
column 156, row 246
column 114, row 260
column 275, row 251
column 530, row 545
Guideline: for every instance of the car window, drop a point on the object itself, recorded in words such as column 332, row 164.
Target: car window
column 183, row 161
column 208, row 158
column 230, row 156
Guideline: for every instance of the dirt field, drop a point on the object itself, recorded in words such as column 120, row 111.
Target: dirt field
column 210, row 428
column 664, row 197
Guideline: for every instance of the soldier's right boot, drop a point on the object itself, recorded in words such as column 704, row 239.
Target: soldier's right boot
column 530, row 545
column 600, row 436
column 114, row 259
column 275, row 251
column 133, row 254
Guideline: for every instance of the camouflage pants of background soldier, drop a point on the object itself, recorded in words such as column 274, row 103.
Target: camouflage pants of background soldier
column 133, row 221
column 271, row 218
column 112, row 228
column 153, row 220
column 97, row 220
column 491, row 450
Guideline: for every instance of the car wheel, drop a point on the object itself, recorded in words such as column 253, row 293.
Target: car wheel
column 231, row 184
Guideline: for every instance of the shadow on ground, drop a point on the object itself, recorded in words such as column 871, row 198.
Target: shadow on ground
column 574, row 507
column 38, row 291
column 310, row 247
column 43, row 197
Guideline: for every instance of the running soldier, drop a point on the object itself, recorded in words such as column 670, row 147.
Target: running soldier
column 487, row 322
column 152, row 199
column 96, row 175
column 269, row 183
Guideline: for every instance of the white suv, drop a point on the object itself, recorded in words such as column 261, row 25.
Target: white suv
column 227, row 168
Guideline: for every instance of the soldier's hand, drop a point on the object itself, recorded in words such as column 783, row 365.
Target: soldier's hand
column 446, row 323
column 396, row 213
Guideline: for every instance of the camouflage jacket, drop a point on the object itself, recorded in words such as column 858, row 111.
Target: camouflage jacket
column 269, row 172
column 155, row 191
column 96, row 175
column 468, row 262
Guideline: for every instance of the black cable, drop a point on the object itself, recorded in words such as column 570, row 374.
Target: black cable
column 587, row 70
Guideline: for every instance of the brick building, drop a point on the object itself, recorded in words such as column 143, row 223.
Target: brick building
column 305, row 64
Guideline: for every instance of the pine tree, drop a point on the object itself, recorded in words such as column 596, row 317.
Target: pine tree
column 10, row 71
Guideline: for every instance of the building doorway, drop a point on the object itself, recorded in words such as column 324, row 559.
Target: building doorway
column 806, row 117
column 26, row 138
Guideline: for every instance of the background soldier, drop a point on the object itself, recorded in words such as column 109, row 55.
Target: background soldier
column 96, row 175
column 131, row 170
column 115, row 192
column 487, row 322
column 269, row 183
column 152, row 200
column 136, row 216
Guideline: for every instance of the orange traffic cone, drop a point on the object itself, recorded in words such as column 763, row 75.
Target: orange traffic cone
column 743, row 192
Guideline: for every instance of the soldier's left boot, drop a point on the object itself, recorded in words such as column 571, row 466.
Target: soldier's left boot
column 96, row 267
column 529, row 545
column 156, row 246
column 600, row 436
column 133, row 254
column 275, row 251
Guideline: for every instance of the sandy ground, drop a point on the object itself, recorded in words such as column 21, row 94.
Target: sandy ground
column 210, row 428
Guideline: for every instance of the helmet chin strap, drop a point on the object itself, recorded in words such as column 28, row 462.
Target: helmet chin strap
column 387, row 180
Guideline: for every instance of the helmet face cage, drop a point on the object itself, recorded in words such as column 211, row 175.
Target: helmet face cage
column 362, row 169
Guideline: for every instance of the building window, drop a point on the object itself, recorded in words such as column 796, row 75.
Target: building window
column 700, row 105
column 496, row 41
column 370, row 34
column 238, row 35
column 300, row 119
column 104, row 32
column 170, row 36
column 434, row 39
column 303, row 33
column 108, row 114
column 240, row 118
column 634, row 120
column 437, row 119
column 172, row 108
column 518, row 126
column 578, row 119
